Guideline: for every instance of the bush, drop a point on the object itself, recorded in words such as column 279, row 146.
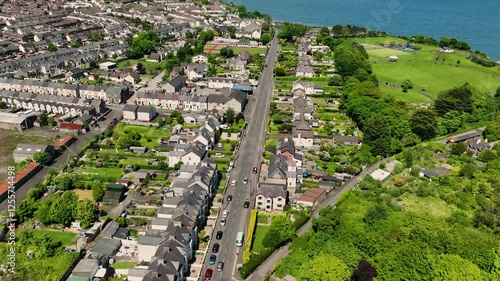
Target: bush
column 249, row 237
column 254, row 261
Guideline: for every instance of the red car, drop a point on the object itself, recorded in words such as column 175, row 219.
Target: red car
column 208, row 275
column 255, row 170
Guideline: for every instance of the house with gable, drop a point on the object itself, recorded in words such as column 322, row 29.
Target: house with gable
column 282, row 171
column 306, row 86
column 270, row 197
column 303, row 135
column 175, row 85
column 286, row 148
column 304, row 71
column 302, row 107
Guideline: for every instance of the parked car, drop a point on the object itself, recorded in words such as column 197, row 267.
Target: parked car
column 254, row 170
column 212, row 259
column 223, row 221
column 215, row 248
column 220, row 266
column 208, row 274
column 225, row 214
column 233, row 183
column 219, row 234
column 245, row 180
column 229, row 198
column 246, row 204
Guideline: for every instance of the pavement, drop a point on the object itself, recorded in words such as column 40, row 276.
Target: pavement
column 261, row 272
column 248, row 156
column 61, row 160
column 150, row 86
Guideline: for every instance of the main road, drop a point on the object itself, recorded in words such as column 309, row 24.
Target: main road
column 248, row 156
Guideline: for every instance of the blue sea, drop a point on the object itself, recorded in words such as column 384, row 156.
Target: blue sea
column 477, row 22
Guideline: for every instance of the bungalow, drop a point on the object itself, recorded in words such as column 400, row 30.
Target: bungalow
column 70, row 127
column 137, row 149
column 347, row 140
column 464, row 137
column 155, row 57
column 270, row 197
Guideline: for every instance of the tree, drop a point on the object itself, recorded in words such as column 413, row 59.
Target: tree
column 51, row 48
column 230, row 115
column 25, row 209
column 41, row 157
column 423, row 123
column 64, row 181
column 497, row 93
column 324, row 268
column 454, row 267
column 140, row 68
column 125, row 142
column 406, row 85
column 452, row 120
column 44, row 118
column 377, row 135
column 98, row 190
column 459, row 99
column 265, row 38
column 272, row 239
column 364, row 272
column 63, row 209
column 96, row 36
column 335, row 80
column 85, row 212
column 279, row 70
column 458, row 148
column 328, row 220
column 492, row 131
column 161, row 121
column 3, row 105
column 42, row 214
column 375, row 214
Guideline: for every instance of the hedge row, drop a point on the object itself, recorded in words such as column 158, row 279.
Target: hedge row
column 254, row 262
column 251, row 229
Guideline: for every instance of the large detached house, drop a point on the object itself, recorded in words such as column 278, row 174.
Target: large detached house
column 270, row 197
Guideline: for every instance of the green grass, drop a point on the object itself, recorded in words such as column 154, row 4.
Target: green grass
column 252, row 51
column 151, row 67
column 410, row 96
column 152, row 133
column 123, row 265
column 271, row 143
column 102, row 172
column 260, row 233
column 40, row 268
column 379, row 51
column 434, row 77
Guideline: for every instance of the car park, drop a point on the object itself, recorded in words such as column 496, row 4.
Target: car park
column 219, row 234
column 215, row 248
column 208, row 274
column 220, row 266
column 212, row 259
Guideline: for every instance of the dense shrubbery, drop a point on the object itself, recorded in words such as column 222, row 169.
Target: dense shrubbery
column 448, row 226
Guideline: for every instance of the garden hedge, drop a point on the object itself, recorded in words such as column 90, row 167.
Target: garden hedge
column 251, row 229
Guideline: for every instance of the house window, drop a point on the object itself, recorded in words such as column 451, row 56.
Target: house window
column 260, row 197
column 268, row 200
column 268, row 207
column 279, row 205
column 279, row 199
column 259, row 203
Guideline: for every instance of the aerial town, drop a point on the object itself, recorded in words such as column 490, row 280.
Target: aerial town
column 189, row 140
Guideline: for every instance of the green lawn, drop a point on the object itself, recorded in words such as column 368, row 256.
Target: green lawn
column 102, row 172
column 41, row 266
column 134, row 161
column 379, row 51
column 435, row 77
column 271, row 143
column 252, row 51
column 123, row 265
column 260, row 233
column 151, row 67
column 147, row 133
column 409, row 96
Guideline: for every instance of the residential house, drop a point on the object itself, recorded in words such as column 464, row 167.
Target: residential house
column 236, row 63
column 303, row 135
column 270, row 197
column 302, row 107
column 221, row 82
column 307, row 87
column 191, row 156
column 155, row 57
column 235, row 100
column 175, row 85
column 347, row 140
column 146, row 113
column 286, row 148
column 196, row 72
column 130, row 112
column 464, row 137
column 476, row 145
column 311, row 197
column 282, row 171
column 304, row 71
column 200, row 58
